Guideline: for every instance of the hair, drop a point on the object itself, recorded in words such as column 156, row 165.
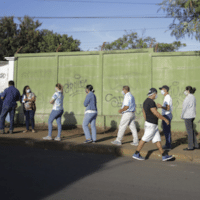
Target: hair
column 60, row 87
column 192, row 90
column 24, row 90
column 11, row 83
column 90, row 88
column 127, row 88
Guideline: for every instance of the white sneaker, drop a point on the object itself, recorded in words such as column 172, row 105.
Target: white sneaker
column 57, row 139
column 116, row 142
column 47, row 138
column 134, row 144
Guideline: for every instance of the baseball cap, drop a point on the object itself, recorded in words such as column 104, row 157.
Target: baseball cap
column 164, row 86
column 151, row 91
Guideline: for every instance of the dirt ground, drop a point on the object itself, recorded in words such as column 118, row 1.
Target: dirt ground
column 178, row 138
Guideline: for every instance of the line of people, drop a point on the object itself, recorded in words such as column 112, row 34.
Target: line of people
column 11, row 95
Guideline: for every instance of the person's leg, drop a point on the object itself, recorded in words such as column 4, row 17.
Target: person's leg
column 122, row 126
column 50, row 121
column 31, row 116
column 26, row 113
column 4, row 113
column 188, row 124
column 133, row 129
column 167, row 131
column 12, row 115
column 195, row 142
column 58, row 120
column 86, row 121
column 93, row 127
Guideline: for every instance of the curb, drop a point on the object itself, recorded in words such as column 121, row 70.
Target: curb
column 92, row 148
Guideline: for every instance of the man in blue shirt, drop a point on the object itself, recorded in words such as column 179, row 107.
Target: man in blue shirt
column 128, row 115
column 9, row 97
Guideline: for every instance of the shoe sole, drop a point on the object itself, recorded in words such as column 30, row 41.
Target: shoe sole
column 134, row 144
column 116, row 144
column 47, row 139
column 167, row 159
column 87, row 142
column 137, row 158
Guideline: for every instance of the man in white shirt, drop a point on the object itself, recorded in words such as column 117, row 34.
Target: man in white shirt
column 167, row 108
column 128, row 115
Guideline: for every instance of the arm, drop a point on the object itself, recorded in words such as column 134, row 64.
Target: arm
column 144, row 114
column 158, row 115
column 123, row 109
column 165, row 108
column 54, row 97
column 87, row 101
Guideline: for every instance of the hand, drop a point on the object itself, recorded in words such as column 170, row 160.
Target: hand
column 159, row 105
column 167, row 121
column 120, row 111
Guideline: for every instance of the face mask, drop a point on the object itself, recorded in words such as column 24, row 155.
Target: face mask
column 28, row 91
column 156, row 96
column 162, row 92
column 123, row 92
column 185, row 93
column 56, row 89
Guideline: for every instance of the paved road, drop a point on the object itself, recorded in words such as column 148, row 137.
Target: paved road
column 32, row 174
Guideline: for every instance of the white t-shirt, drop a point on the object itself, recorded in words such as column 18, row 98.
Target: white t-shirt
column 167, row 101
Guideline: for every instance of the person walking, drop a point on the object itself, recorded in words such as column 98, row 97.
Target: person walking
column 28, row 101
column 90, row 115
column 167, row 108
column 56, row 113
column 128, row 115
column 189, row 114
column 151, row 132
column 10, row 96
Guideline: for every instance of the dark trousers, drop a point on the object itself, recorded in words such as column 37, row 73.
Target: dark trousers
column 5, row 110
column 29, row 116
column 167, row 131
column 192, row 140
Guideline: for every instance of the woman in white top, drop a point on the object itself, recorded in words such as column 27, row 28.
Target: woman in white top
column 189, row 114
column 28, row 100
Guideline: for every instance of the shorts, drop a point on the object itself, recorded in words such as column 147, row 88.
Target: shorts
column 151, row 133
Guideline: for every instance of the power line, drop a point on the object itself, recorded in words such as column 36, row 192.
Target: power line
column 101, row 17
column 103, row 2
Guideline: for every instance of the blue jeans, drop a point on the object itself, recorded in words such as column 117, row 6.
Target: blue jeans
column 5, row 110
column 167, row 130
column 90, row 118
column 55, row 114
column 29, row 116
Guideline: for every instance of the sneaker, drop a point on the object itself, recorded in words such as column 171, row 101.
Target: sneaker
column 138, row 156
column 47, row 138
column 134, row 144
column 11, row 131
column 93, row 141
column 166, row 148
column 116, row 142
column 57, row 139
column 87, row 141
column 167, row 157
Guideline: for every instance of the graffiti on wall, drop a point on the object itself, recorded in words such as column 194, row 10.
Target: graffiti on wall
column 76, row 86
column 2, row 75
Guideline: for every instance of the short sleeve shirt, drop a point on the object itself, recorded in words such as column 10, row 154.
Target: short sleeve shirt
column 167, row 101
column 27, row 104
column 150, row 117
column 58, row 101
column 129, row 101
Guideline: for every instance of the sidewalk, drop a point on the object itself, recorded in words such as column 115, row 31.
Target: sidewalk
column 72, row 140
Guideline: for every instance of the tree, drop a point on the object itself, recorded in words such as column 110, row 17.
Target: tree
column 186, row 14
column 8, row 37
column 51, row 41
column 133, row 41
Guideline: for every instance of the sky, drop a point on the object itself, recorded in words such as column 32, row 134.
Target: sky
column 93, row 32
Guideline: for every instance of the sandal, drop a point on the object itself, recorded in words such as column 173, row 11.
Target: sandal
column 25, row 131
column 33, row 131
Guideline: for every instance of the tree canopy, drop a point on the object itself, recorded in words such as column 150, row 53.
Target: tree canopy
column 186, row 14
column 26, row 37
column 133, row 41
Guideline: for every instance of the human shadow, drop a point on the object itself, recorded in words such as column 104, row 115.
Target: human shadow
column 70, row 121
column 113, row 127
